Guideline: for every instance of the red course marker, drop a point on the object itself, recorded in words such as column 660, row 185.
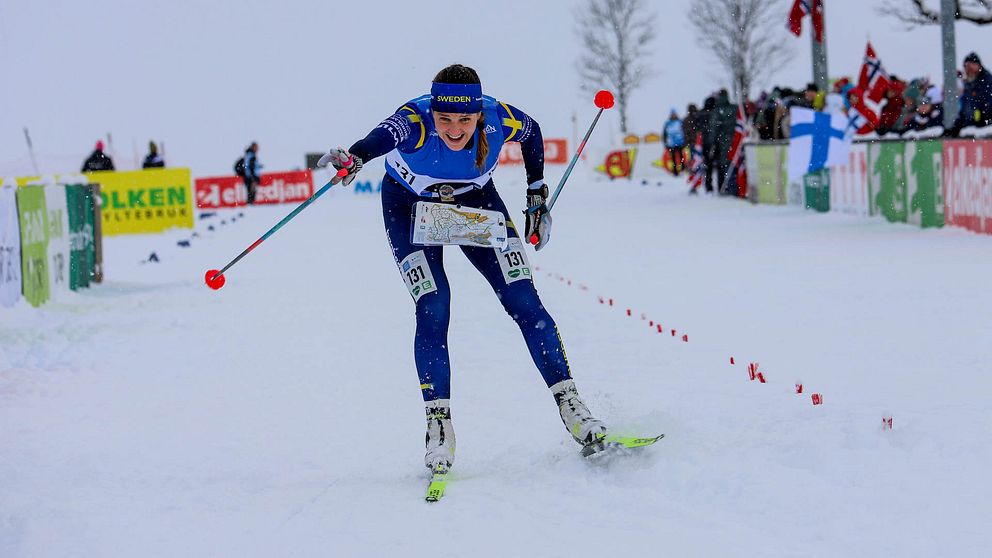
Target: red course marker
column 604, row 99
column 214, row 282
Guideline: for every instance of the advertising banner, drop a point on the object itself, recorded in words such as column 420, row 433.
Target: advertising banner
column 924, row 182
column 905, row 181
column 618, row 164
column 33, row 220
column 10, row 247
column 144, row 201
column 770, row 182
column 218, row 192
column 58, row 239
column 849, row 183
column 79, row 204
column 967, row 175
column 887, row 181
column 555, row 152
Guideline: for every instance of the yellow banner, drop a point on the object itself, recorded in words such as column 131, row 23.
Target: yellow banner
column 144, row 201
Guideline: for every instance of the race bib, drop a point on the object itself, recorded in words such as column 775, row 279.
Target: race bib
column 513, row 261
column 417, row 275
column 437, row 224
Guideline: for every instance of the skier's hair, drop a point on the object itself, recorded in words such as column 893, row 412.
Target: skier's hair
column 456, row 73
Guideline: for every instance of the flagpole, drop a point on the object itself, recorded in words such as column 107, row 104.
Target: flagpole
column 819, row 49
column 950, row 69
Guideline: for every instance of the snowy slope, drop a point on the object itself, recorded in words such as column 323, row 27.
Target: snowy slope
column 281, row 416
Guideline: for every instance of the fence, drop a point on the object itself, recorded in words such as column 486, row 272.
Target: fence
column 926, row 182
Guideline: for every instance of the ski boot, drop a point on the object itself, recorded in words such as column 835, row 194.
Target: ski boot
column 584, row 428
column 440, row 439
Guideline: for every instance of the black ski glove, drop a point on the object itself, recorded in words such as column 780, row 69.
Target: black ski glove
column 538, row 226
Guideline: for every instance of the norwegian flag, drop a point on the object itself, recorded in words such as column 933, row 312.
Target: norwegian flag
column 740, row 133
column 802, row 8
column 860, row 118
column 697, row 169
column 736, row 154
column 874, row 80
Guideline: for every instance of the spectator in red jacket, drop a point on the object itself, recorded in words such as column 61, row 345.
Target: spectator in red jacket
column 892, row 109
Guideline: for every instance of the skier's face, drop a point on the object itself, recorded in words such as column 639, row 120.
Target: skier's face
column 456, row 128
column 971, row 69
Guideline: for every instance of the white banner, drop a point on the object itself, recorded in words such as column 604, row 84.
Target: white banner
column 58, row 240
column 10, row 247
column 849, row 183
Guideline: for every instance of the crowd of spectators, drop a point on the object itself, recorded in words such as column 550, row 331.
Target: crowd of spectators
column 906, row 106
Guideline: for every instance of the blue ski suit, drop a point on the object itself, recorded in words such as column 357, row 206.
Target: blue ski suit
column 419, row 166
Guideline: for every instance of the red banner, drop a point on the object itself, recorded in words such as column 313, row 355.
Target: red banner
column 277, row 187
column 555, row 152
column 968, row 184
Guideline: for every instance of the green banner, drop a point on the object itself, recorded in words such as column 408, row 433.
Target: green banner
column 771, row 179
column 925, row 182
column 905, row 183
column 887, row 180
column 33, row 218
column 79, row 203
column 817, row 186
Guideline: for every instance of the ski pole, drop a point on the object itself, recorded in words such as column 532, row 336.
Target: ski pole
column 215, row 278
column 603, row 100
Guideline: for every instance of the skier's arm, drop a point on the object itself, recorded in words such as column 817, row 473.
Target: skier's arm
column 397, row 131
column 394, row 132
column 517, row 126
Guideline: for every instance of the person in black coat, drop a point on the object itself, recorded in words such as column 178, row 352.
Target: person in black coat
column 98, row 160
column 723, row 119
column 252, row 170
column 703, row 125
column 976, row 98
column 153, row 160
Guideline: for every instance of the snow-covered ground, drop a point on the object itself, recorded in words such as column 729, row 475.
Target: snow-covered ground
column 281, row 415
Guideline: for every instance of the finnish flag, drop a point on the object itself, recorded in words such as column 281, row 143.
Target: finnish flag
column 816, row 140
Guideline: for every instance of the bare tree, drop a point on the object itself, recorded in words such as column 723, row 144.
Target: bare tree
column 915, row 12
column 615, row 35
column 747, row 37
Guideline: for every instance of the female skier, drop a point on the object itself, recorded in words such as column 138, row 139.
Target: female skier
column 443, row 147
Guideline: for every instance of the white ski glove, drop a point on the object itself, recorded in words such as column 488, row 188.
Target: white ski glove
column 339, row 158
column 538, row 227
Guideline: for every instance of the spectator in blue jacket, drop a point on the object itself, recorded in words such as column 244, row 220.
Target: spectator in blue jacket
column 675, row 141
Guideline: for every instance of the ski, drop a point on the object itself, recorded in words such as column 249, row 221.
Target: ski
column 617, row 442
column 435, row 490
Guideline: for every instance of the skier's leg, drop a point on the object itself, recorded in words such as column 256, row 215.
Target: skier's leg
column 520, row 300
column 423, row 273
column 422, row 270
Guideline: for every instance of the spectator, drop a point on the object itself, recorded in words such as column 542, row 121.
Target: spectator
column 722, row 123
column 976, row 98
column 705, row 126
column 153, row 160
column 808, row 97
column 892, row 109
column 928, row 115
column 249, row 169
column 780, row 122
column 674, row 136
column 98, row 160
column 691, row 124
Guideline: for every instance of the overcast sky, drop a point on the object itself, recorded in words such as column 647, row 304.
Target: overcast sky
column 206, row 77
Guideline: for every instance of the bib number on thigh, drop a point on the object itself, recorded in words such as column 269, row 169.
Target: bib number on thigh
column 513, row 261
column 417, row 275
